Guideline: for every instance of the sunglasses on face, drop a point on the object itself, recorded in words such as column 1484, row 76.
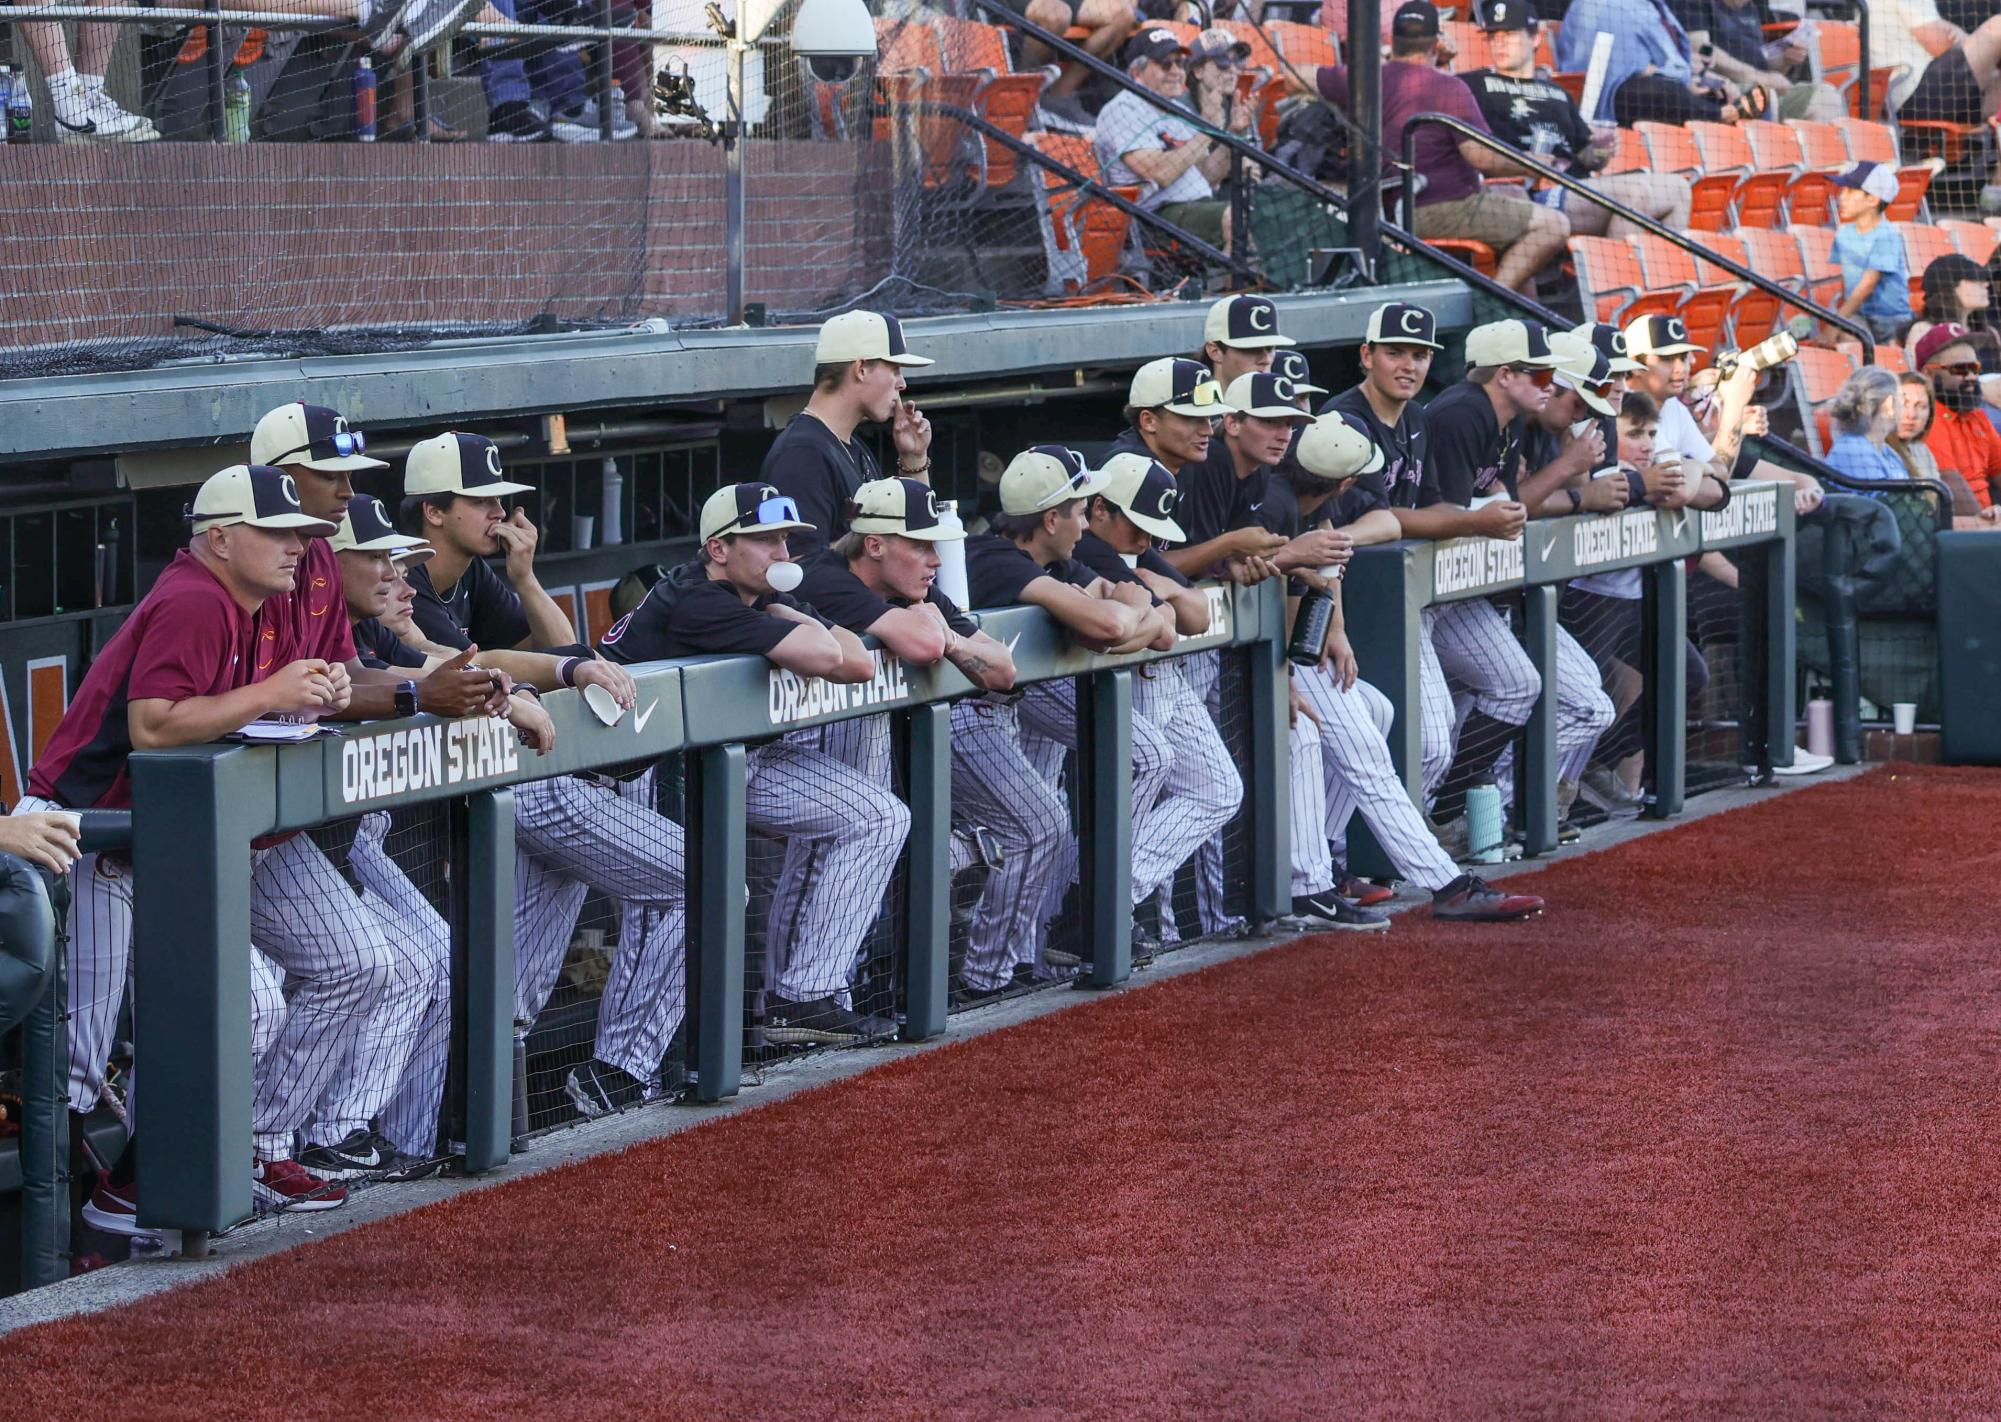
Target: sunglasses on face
column 779, row 510
column 340, row 445
column 1541, row 375
column 1963, row 368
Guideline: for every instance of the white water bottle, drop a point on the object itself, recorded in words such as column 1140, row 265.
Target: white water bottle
column 611, row 530
column 952, row 556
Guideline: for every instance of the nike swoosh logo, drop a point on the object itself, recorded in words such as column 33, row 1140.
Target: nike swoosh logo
column 87, row 126
column 1680, row 521
column 1549, row 545
column 639, row 721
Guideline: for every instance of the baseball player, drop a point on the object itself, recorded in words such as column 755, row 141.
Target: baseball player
column 1266, row 415
column 1026, row 558
column 1476, row 443
column 728, row 601
column 1354, row 718
column 889, row 558
column 203, row 654
column 1240, row 335
column 454, row 499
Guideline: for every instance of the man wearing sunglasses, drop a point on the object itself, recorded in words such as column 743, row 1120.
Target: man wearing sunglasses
column 1476, row 430
column 1962, row 438
column 732, row 599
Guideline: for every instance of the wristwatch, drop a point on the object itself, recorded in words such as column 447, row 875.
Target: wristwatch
column 406, row 698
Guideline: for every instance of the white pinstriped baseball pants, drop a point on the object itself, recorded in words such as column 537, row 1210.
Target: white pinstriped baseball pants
column 994, row 785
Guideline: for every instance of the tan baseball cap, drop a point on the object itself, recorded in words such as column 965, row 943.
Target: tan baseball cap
column 1331, row 448
column 1143, row 488
column 907, row 508
column 457, row 463
column 1182, row 387
column 1268, row 396
column 1659, row 336
column 257, row 494
column 749, row 508
column 1509, row 343
column 312, row 435
column 863, row 335
column 1046, row 476
column 1247, row 321
column 366, row 528
column 1584, row 369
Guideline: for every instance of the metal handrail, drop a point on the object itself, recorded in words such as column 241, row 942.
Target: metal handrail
column 1408, row 143
column 285, row 23
column 1023, row 149
column 1828, row 474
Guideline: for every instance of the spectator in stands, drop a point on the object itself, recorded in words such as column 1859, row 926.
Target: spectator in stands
column 1875, row 281
column 1731, row 34
column 1957, row 291
column 1948, row 75
column 1864, row 412
column 1214, row 62
column 1142, row 144
column 1454, row 200
column 1915, row 412
column 1240, row 336
column 1108, row 23
column 1966, row 445
column 1538, row 116
column 544, row 98
column 83, row 110
column 1653, row 73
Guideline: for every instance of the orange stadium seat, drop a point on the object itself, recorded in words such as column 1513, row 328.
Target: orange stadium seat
column 1839, row 46
column 1759, row 194
column 1305, row 47
column 1890, row 355
column 1082, row 236
column 1571, row 84
column 1673, row 150
column 1777, row 255
column 1609, row 279
column 1545, row 43
column 1948, row 140
column 1477, row 255
column 1704, row 305
column 969, row 46
column 1629, row 154
column 1816, row 374
column 1973, row 239
column 1469, row 42
column 1825, row 149
column 1007, row 101
column 1754, row 311
column 905, row 46
column 1262, row 55
column 1922, row 246
column 940, row 137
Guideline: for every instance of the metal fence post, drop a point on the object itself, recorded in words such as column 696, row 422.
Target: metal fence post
column 924, row 740
column 44, row 1136
column 1365, row 150
column 195, row 812
column 1104, row 838
column 1536, row 786
column 1664, row 628
column 482, row 844
column 1781, row 636
column 1386, row 645
column 1269, row 794
column 715, row 876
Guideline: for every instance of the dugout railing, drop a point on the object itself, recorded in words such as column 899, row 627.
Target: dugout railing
column 1389, row 586
column 198, row 810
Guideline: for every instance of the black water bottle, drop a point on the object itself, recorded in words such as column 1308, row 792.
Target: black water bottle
column 1309, row 627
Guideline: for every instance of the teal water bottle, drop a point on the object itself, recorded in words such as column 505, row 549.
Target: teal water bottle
column 236, row 107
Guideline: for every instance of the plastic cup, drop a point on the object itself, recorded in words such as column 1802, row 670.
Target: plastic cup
column 1904, row 716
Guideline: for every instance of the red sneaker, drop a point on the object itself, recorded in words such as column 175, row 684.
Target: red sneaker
column 1364, row 893
column 1471, row 899
column 288, row 1185
column 114, row 1209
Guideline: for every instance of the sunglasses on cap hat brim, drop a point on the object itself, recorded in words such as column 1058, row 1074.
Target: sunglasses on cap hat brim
column 773, row 515
column 1204, row 401
column 343, row 450
column 1592, row 395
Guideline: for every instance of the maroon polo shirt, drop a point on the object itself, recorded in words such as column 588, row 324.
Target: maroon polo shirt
column 186, row 638
column 311, row 620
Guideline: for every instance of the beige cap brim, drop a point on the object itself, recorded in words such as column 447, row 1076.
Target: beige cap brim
column 1165, row 528
column 340, row 463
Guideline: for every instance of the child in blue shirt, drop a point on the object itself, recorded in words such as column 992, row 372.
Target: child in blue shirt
column 1875, row 282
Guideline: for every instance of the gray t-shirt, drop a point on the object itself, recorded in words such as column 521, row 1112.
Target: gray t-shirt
column 1130, row 124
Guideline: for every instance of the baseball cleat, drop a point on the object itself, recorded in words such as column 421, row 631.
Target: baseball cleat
column 1364, row 893
column 820, row 1022
column 600, row 1089
column 1327, row 910
column 1471, row 899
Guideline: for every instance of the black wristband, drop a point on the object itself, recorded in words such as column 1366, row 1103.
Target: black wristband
column 1576, row 500
column 567, row 672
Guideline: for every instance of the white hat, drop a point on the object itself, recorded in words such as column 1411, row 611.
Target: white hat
column 1046, row 476
column 455, row 463
column 749, row 508
column 1659, row 336
column 1268, row 396
column 1508, row 343
column 1141, row 486
column 1584, row 370
column 907, row 508
column 256, row 494
column 1292, row 365
column 1331, row 448
column 1879, row 180
column 311, row 435
column 1182, row 387
column 1612, row 341
column 863, row 335
column 1247, row 321
column 365, row 528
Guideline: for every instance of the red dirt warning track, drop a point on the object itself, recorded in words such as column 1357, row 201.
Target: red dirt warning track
column 1717, row 1138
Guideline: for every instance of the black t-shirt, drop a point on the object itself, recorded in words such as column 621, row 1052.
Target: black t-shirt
column 1106, row 562
column 1406, row 450
column 820, row 474
column 1128, row 441
column 382, row 649
column 833, row 591
column 480, row 608
column 1472, row 455
column 1211, row 498
column 1517, row 110
column 689, row 614
column 997, row 569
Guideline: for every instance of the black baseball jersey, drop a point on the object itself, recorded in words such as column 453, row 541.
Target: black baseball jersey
column 1107, row 562
column 820, row 474
column 997, row 569
column 689, row 614
column 479, row 609
column 382, row 649
column 1406, row 453
column 833, row 591
column 1212, row 496
column 1472, row 454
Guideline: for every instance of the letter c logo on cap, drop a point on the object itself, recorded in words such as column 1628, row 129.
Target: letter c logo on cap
column 1283, row 389
column 1676, row 331
column 1260, row 316
column 289, row 489
column 493, row 460
column 1412, row 321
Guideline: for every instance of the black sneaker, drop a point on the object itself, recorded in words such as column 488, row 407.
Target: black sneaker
column 401, row 1166
column 601, row 1089
column 821, row 1022
column 517, row 122
column 1330, row 910
column 357, row 1155
column 1471, row 899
